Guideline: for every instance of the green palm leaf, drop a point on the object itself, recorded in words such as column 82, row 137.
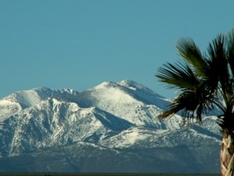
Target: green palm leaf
column 192, row 55
column 178, row 76
column 230, row 50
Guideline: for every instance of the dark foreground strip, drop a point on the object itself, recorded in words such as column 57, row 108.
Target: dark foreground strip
column 102, row 174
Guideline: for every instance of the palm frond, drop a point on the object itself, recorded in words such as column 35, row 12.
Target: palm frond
column 196, row 95
column 191, row 53
column 177, row 76
column 230, row 50
column 218, row 63
column 192, row 103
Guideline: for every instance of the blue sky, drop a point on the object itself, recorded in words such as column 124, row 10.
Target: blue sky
column 80, row 43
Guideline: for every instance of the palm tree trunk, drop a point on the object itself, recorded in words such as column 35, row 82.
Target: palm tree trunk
column 227, row 155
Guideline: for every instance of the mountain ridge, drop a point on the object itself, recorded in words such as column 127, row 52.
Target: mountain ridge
column 112, row 117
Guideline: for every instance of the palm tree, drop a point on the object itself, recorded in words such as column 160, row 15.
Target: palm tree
column 204, row 82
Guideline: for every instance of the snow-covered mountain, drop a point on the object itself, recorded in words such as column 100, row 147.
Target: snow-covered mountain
column 112, row 127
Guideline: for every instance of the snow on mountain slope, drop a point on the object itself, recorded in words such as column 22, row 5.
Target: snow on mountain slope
column 111, row 116
column 210, row 124
column 52, row 123
column 23, row 99
column 32, row 97
column 139, row 137
column 144, row 94
column 115, row 98
column 7, row 108
column 128, row 100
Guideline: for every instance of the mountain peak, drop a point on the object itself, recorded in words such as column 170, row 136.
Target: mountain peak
column 131, row 84
column 27, row 98
column 105, row 84
column 41, row 89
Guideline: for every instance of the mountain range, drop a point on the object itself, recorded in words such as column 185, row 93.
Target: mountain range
column 112, row 127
